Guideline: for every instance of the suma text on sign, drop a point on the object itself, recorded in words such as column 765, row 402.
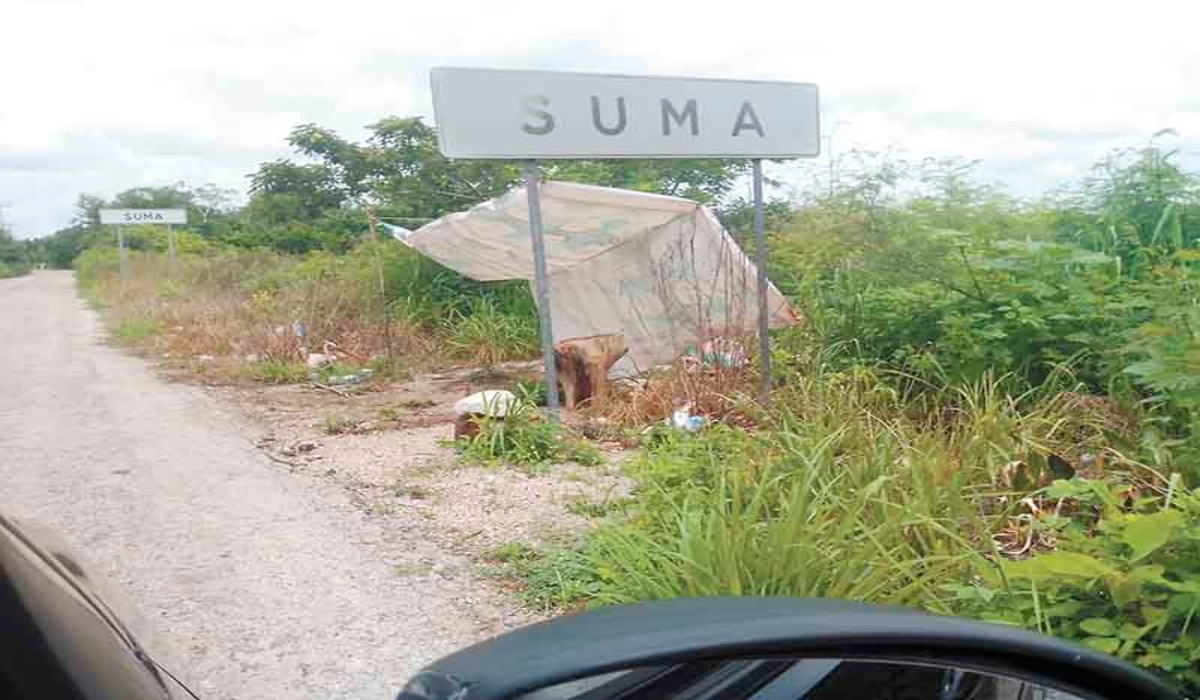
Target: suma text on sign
column 483, row 113
column 143, row 216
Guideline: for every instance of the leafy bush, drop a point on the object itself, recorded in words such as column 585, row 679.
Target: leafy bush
column 16, row 257
column 525, row 439
column 1126, row 582
column 10, row 270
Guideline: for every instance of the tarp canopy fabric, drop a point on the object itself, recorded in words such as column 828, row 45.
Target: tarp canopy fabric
column 660, row 270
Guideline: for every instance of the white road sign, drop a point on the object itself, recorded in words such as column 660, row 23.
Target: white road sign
column 143, row 216
column 483, row 113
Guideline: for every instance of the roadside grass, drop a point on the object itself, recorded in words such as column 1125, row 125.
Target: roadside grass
column 549, row 580
column 487, row 336
column 276, row 371
column 852, row 491
column 11, row 270
column 525, row 439
column 991, row 408
column 135, row 331
column 266, row 312
column 334, row 424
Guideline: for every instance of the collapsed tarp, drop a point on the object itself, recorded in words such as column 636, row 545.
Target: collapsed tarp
column 659, row 270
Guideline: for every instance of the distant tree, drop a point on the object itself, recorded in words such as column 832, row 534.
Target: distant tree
column 13, row 256
column 211, row 201
column 413, row 179
column 400, row 170
column 283, row 191
column 175, row 196
column 87, row 211
column 1140, row 205
column 66, row 244
column 704, row 180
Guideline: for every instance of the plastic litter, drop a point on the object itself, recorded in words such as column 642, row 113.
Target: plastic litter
column 493, row 403
column 358, row 377
column 682, row 419
column 718, row 352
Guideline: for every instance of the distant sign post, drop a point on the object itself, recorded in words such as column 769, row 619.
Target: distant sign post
column 133, row 217
column 532, row 115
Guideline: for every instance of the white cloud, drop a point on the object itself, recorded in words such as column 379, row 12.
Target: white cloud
column 102, row 96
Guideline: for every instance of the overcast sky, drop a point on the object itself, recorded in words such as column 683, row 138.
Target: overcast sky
column 98, row 97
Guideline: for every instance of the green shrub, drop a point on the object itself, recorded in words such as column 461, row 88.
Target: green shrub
column 511, row 552
column 525, row 439
column 796, row 525
column 273, row 371
column 1126, row 582
column 557, row 579
column 489, row 336
column 132, row 331
column 532, row 392
column 11, row 270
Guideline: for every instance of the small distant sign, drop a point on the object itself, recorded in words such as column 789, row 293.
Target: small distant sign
column 143, row 216
column 483, row 113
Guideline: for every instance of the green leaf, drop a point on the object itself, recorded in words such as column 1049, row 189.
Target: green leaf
column 1069, row 608
column 1108, row 645
column 1148, row 574
column 1183, row 605
column 1073, row 564
column 1098, row 626
column 1155, row 615
column 1146, row 533
column 1123, row 589
column 1188, row 585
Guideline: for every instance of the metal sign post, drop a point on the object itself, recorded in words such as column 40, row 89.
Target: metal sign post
column 121, row 253
column 170, row 251
column 541, row 284
column 760, row 261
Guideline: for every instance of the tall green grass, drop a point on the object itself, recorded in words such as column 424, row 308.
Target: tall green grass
column 487, row 335
column 856, row 491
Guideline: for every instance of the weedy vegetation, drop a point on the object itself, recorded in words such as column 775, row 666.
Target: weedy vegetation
column 992, row 408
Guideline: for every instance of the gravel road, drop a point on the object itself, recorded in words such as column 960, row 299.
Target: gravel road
column 258, row 583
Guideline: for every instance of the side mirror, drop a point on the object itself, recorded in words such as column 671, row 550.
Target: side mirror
column 777, row 648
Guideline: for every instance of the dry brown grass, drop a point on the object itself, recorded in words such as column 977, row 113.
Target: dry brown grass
column 210, row 311
column 717, row 393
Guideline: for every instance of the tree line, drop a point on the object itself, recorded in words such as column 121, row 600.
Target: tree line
column 328, row 196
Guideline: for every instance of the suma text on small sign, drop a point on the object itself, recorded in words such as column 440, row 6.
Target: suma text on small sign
column 143, row 216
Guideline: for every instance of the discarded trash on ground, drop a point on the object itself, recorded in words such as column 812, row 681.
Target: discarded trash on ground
column 682, row 419
column 719, row 352
column 484, row 404
column 358, row 377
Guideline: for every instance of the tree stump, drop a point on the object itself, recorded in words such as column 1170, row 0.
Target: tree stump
column 583, row 365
